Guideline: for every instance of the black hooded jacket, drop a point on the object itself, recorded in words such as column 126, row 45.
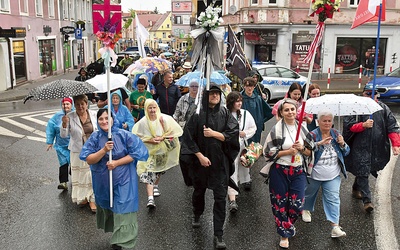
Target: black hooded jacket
column 220, row 153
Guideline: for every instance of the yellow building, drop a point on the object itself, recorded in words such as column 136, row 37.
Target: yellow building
column 160, row 32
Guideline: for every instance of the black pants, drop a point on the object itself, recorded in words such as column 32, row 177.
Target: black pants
column 219, row 210
column 361, row 184
column 63, row 173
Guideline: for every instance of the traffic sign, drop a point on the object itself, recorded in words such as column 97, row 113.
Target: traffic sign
column 78, row 33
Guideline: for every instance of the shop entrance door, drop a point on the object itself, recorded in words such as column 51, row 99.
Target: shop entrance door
column 46, row 68
column 263, row 53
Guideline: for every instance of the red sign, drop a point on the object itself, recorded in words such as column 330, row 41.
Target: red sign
column 107, row 9
column 182, row 7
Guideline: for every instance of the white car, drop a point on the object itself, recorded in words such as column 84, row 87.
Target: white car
column 277, row 79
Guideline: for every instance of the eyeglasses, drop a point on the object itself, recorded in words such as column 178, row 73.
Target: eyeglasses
column 369, row 93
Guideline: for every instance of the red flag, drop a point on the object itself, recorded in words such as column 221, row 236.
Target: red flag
column 368, row 11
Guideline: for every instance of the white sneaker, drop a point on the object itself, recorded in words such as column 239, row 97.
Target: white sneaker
column 151, row 203
column 337, row 232
column 306, row 216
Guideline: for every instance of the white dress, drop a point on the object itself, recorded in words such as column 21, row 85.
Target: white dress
column 242, row 174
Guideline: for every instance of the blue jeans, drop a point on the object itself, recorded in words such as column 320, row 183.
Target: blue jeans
column 330, row 197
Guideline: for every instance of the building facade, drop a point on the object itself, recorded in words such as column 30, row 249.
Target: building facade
column 34, row 42
column 281, row 31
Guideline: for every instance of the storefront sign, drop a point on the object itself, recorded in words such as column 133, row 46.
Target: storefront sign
column 67, row 30
column 182, row 7
column 300, row 45
column 347, row 56
column 261, row 37
column 14, row 32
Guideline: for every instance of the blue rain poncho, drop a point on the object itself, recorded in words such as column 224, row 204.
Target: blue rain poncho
column 125, row 179
column 123, row 114
column 53, row 133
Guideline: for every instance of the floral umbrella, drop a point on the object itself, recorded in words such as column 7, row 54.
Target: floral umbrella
column 153, row 64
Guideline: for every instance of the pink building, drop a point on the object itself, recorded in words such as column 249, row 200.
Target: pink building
column 32, row 45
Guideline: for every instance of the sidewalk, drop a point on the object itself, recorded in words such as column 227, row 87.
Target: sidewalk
column 20, row 91
column 345, row 84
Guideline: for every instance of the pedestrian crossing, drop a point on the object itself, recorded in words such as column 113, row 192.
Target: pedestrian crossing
column 27, row 125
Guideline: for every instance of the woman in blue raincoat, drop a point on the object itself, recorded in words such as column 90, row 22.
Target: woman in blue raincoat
column 127, row 149
column 122, row 115
column 54, row 140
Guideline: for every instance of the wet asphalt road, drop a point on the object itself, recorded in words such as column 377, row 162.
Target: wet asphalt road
column 35, row 215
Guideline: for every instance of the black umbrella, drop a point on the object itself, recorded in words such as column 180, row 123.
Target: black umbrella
column 58, row 89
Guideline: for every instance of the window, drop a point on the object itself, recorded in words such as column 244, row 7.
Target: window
column 5, row 5
column 286, row 73
column 271, row 72
column 23, row 6
column 79, row 10
column 39, row 7
column 65, row 9
column 254, row 1
column 272, row 1
column 354, row 3
column 164, row 35
column 72, row 9
column 178, row 20
column 51, row 8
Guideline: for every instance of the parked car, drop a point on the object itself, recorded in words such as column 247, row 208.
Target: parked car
column 95, row 68
column 277, row 79
column 136, row 49
column 388, row 86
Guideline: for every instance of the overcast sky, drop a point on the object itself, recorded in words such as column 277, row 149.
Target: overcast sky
column 162, row 5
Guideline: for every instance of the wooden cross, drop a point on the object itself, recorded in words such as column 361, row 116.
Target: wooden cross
column 107, row 8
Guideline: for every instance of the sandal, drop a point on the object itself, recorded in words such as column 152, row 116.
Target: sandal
column 93, row 207
column 284, row 243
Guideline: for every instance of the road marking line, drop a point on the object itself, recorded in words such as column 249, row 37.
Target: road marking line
column 383, row 217
column 30, row 113
column 30, row 118
column 23, row 126
column 6, row 132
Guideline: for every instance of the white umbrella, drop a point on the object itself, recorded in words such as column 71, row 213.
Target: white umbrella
column 100, row 81
column 342, row 105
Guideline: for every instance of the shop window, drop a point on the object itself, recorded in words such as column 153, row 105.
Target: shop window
column 353, row 52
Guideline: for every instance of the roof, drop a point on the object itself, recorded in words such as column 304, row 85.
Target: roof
column 148, row 19
column 160, row 21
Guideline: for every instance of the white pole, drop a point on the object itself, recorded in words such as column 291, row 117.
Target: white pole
column 109, row 131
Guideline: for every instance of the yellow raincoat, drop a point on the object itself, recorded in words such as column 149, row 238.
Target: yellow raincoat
column 164, row 155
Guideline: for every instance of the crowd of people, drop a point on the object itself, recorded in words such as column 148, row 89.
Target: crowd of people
column 203, row 131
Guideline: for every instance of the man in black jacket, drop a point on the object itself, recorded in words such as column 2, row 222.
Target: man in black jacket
column 212, row 136
column 167, row 94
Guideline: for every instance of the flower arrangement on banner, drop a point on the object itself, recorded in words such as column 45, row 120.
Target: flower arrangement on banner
column 209, row 20
column 324, row 8
column 108, row 35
